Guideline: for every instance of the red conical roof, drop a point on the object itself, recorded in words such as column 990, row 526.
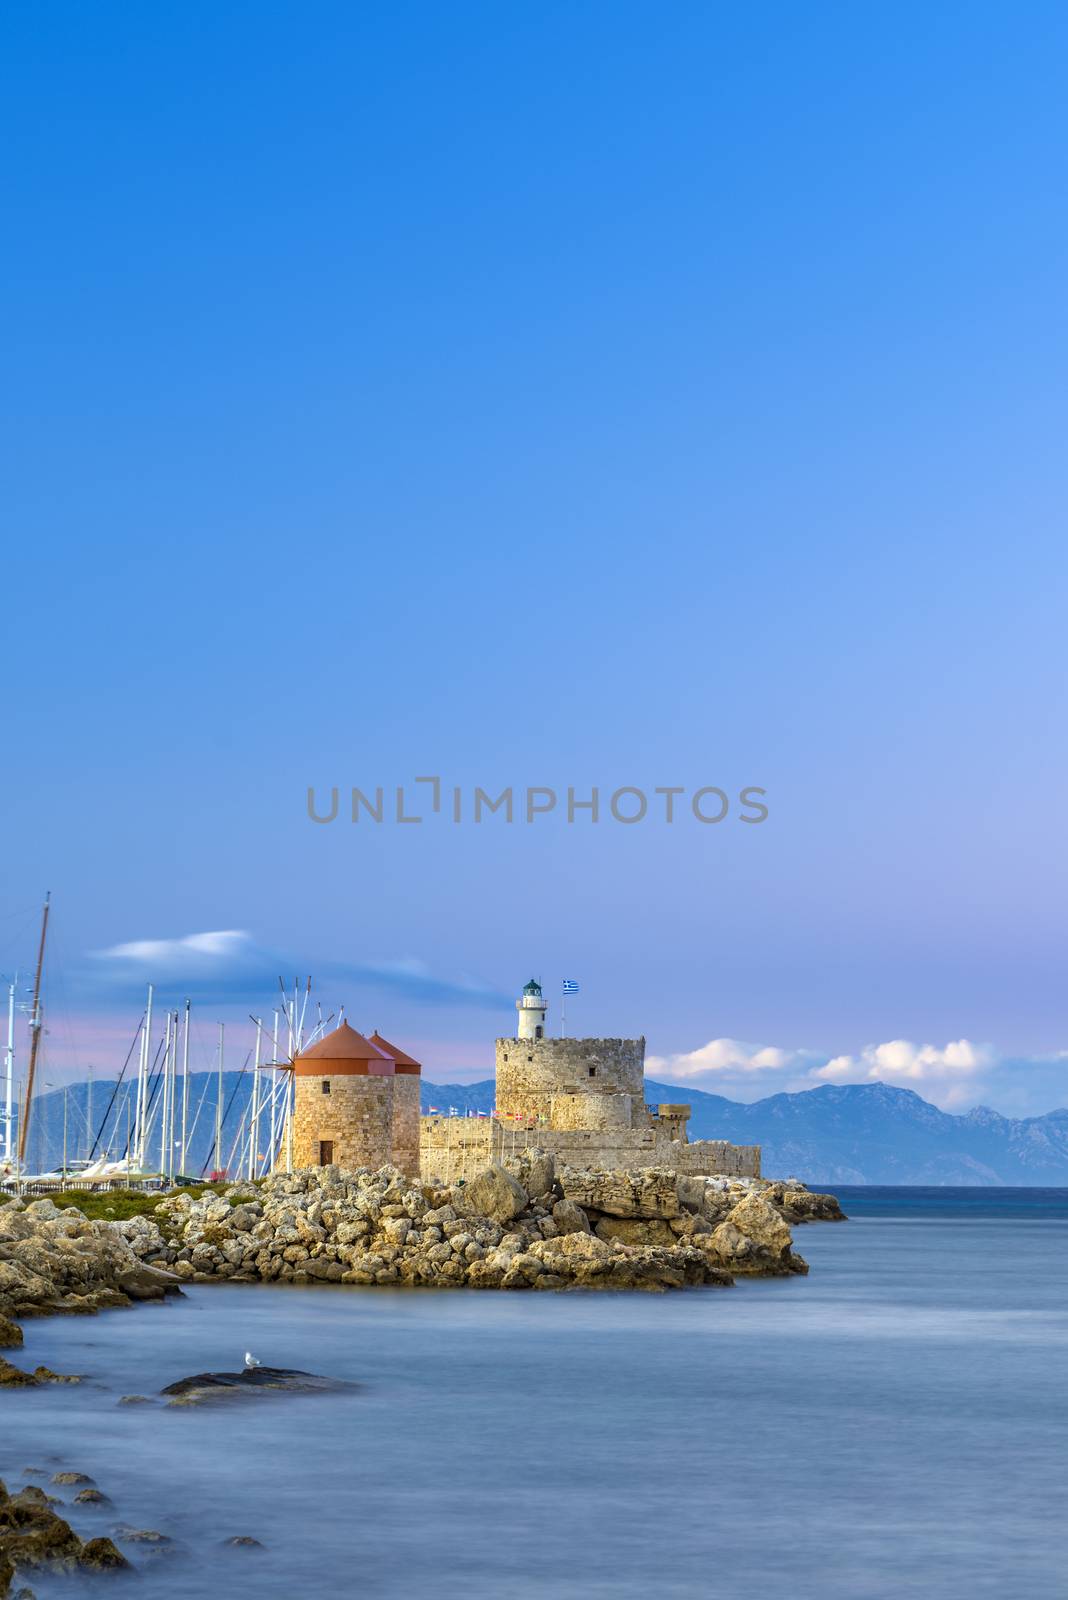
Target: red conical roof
column 343, row 1051
column 403, row 1063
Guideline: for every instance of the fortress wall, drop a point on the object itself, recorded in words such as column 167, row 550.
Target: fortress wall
column 530, row 1072
column 461, row 1146
column 356, row 1117
column 456, row 1147
column 591, row 1111
column 712, row 1157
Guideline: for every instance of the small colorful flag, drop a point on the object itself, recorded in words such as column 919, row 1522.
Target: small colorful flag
column 570, row 986
column 434, row 1111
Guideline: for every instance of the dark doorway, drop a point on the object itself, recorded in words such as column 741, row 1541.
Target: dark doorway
column 326, row 1152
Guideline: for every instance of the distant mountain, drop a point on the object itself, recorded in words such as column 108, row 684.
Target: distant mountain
column 848, row 1133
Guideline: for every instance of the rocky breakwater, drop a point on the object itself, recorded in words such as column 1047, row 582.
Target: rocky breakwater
column 35, row 1538
column 55, row 1261
column 519, row 1226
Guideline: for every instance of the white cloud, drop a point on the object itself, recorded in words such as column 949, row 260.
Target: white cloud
column 723, row 1058
column 195, row 956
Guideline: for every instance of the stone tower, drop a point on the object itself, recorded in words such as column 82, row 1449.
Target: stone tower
column 406, row 1084
column 532, row 1008
column 343, row 1094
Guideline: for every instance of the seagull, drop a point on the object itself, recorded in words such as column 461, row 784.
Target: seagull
column 250, row 1360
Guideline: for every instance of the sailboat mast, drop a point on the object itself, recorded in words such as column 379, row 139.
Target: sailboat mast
column 35, row 1033
column 9, row 1084
column 219, row 1103
column 274, row 1094
column 185, row 1087
column 165, row 1108
column 253, row 1156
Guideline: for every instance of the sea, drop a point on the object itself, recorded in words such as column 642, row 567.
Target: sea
column 895, row 1424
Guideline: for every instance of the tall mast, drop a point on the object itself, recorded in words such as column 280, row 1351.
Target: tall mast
column 185, row 1087
column 253, row 1155
column 274, row 1094
column 9, row 1076
column 174, row 1090
column 219, row 1103
column 143, row 1080
column 165, row 1104
column 35, row 1033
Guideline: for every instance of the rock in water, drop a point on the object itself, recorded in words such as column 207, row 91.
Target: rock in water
column 250, row 1380
column 101, row 1555
column 754, row 1239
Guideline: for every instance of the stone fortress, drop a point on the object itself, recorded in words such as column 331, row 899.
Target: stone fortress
column 582, row 1100
column 356, row 1104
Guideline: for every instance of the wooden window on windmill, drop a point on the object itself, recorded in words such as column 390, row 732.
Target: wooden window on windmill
column 326, row 1085
column 593, row 1072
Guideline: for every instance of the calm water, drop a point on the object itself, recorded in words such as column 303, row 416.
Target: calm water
column 892, row 1425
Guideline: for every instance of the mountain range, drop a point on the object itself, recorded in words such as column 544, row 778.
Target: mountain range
column 869, row 1133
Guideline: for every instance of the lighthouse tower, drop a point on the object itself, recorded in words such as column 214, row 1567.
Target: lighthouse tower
column 531, row 1007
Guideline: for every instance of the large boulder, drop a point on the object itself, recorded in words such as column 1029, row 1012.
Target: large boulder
column 570, row 1218
column 493, row 1193
column 650, row 1192
column 535, row 1169
column 798, row 1204
column 753, row 1240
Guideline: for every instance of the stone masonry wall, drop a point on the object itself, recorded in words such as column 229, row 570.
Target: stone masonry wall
column 461, row 1146
column 406, row 1123
column 590, row 1111
column 707, row 1157
column 530, row 1073
column 451, row 1148
column 356, row 1116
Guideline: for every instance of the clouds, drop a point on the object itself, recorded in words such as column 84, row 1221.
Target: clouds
column 954, row 1076
column 730, row 1058
column 230, row 964
column 194, row 959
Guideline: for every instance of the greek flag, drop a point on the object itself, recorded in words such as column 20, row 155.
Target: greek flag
column 570, row 986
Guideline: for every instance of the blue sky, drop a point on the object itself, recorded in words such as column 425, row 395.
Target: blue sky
column 545, row 395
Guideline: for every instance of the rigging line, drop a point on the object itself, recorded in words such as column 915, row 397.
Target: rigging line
column 114, row 1092
column 196, row 1119
column 148, row 1106
column 226, row 1112
column 155, row 1086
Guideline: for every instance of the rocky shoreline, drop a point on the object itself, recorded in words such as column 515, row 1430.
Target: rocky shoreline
column 522, row 1225
column 518, row 1226
column 36, row 1536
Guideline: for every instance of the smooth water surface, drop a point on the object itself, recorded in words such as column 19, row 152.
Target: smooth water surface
column 892, row 1425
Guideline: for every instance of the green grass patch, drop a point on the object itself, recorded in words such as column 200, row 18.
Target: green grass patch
column 115, row 1205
